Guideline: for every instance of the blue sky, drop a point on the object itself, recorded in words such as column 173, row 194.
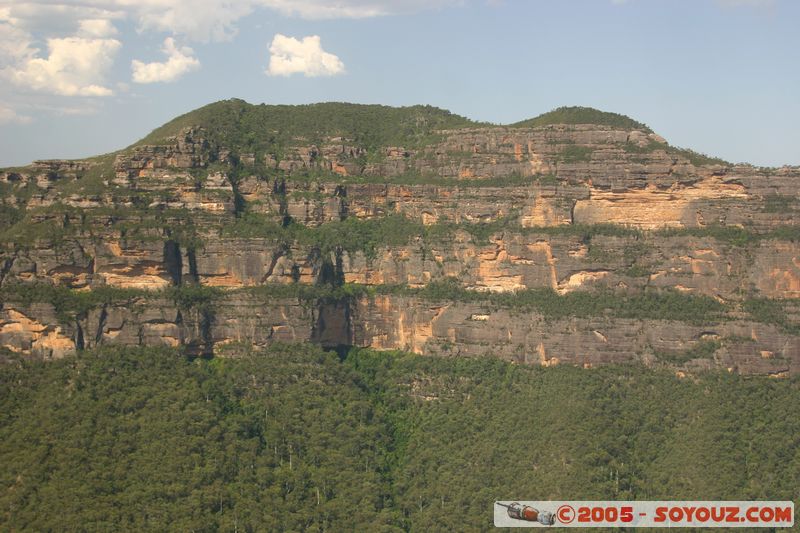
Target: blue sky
column 83, row 77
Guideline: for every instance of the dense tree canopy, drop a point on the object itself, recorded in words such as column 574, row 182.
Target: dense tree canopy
column 293, row 438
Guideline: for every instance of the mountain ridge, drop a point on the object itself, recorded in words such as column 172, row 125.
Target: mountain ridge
column 576, row 244
column 263, row 121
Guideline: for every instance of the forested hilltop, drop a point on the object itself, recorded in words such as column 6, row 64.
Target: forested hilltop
column 294, row 438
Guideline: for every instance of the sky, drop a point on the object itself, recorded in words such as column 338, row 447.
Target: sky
column 85, row 77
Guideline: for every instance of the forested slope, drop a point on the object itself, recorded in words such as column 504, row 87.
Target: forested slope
column 293, row 438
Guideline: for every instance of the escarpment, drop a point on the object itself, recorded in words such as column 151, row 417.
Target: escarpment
column 545, row 243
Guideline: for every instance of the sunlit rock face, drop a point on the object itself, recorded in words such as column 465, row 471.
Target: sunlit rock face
column 568, row 208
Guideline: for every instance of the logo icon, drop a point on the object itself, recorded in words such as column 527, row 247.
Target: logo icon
column 527, row 513
column 565, row 514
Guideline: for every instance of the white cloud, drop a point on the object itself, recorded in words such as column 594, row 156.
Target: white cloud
column 725, row 3
column 52, row 51
column 324, row 9
column 292, row 56
column 740, row 3
column 96, row 28
column 15, row 44
column 179, row 62
column 75, row 66
column 9, row 116
column 198, row 20
column 315, row 9
column 58, row 18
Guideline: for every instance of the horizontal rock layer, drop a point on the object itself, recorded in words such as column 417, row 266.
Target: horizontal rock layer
column 407, row 323
column 498, row 209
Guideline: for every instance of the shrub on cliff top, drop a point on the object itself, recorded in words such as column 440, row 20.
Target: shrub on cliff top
column 583, row 115
column 241, row 126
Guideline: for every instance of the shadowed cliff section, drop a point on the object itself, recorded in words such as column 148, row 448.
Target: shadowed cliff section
column 408, row 228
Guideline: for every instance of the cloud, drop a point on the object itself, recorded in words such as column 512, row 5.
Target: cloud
column 9, row 116
column 215, row 20
column 74, row 66
column 179, row 62
column 52, row 51
column 198, row 20
column 747, row 3
column 292, row 56
column 725, row 3
column 96, row 28
column 324, row 9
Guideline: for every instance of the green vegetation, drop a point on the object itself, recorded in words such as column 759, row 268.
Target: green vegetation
column 259, row 128
column 585, row 231
column 368, row 235
column 73, row 303
column 697, row 158
column 351, row 234
column 733, row 235
column 656, row 305
column 583, row 115
column 780, row 203
column 771, row 311
column 9, row 215
column 573, row 153
column 145, row 440
column 703, row 349
column 293, row 439
column 637, row 271
column 416, row 178
column 23, row 231
column 68, row 303
column 728, row 234
column 650, row 147
column 55, row 224
column 664, row 305
column 784, row 233
column 193, row 297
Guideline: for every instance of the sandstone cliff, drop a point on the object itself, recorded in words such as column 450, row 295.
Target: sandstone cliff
column 227, row 226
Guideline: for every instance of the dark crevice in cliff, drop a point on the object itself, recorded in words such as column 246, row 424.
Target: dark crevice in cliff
column 344, row 209
column 173, row 262
column 332, row 271
column 79, row 340
column 333, row 326
column 207, row 339
column 279, row 192
column 191, row 257
column 101, row 324
column 282, row 250
column 181, row 327
column 5, row 268
column 239, row 203
column 327, row 273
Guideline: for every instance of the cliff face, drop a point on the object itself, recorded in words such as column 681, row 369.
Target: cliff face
column 336, row 240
